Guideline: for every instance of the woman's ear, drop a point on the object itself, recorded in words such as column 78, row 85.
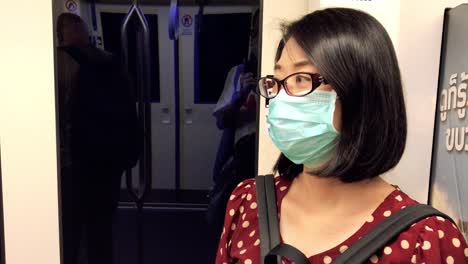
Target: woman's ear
column 337, row 115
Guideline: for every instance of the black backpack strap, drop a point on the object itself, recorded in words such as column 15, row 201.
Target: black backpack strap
column 385, row 232
column 272, row 210
column 271, row 248
column 267, row 215
column 287, row 251
column 262, row 218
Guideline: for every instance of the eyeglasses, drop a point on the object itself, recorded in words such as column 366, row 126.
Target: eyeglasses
column 297, row 84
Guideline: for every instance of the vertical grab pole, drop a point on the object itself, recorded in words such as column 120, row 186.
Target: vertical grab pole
column 173, row 35
column 145, row 187
column 144, row 111
column 144, row 105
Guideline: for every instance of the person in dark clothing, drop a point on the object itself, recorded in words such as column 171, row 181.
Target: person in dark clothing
column 99, row 140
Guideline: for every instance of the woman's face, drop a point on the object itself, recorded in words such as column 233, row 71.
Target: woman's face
column 293, row 59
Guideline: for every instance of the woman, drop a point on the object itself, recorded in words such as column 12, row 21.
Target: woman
column 337, row 114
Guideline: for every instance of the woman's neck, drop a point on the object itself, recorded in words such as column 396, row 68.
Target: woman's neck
column 319, row 194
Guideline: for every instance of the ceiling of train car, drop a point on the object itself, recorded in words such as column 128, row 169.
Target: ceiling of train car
column 184, row 2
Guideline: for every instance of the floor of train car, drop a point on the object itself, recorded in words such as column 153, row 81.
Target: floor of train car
column 170, row 196
column 168, row 235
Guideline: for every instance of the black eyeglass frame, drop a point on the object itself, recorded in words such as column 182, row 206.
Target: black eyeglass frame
column 316, row 78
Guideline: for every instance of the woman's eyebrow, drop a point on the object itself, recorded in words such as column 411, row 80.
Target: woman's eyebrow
column 302, row 63
column 297, row 64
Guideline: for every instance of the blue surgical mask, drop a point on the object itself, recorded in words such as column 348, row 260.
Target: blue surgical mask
column 302, row 127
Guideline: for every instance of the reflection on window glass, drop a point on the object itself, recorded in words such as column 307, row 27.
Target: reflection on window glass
column 111, row 24
column 223, row 43
column 202, row 135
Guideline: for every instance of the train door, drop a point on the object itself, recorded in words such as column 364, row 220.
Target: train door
column 182, row 64
column 216, row 41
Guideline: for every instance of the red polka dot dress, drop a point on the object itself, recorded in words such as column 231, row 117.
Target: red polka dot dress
column 431, row 240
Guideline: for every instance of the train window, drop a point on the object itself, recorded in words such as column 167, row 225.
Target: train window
column 223, row 44
column 111, row 23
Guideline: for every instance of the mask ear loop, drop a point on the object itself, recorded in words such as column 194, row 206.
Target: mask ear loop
column 324, row 81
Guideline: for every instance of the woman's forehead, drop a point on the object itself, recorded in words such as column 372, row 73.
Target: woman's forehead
column 293, row 57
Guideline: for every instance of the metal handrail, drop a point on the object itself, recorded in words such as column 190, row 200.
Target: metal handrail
column 144, row 111
column 173, row 20
column 144, row 105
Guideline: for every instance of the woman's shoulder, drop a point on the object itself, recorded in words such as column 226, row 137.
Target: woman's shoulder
column 246, row 190
column 430, row 240
column 242, row 190
column 243, row 199
column 240, row 236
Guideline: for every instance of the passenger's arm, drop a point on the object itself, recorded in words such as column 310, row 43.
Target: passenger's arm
column 232, row 114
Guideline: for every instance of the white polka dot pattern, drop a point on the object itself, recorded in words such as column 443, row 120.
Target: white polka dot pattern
column 327, row 260
column 388, row 250
column 449, row 260
column 426, row 245
column 440, row 233
column 404, row 244
column 374, row 259
column 343, row 248
column 456, row 242
column 415, row 245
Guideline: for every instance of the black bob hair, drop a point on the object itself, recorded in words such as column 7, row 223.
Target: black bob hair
column 354, row 53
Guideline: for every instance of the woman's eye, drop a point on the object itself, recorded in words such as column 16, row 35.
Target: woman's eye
column 302, row 79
